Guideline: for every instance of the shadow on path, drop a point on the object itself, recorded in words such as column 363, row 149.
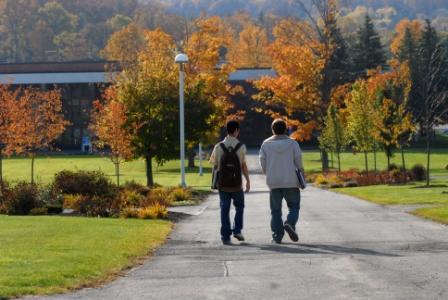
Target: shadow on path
column 316, row 249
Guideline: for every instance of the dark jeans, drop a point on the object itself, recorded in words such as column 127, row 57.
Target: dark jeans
column 292, row 197
column 225, row 203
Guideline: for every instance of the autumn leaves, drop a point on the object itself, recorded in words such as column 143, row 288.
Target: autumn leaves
column 30, row 120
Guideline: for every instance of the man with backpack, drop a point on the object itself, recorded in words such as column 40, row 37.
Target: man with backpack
column 281, row 161
column 229, row 158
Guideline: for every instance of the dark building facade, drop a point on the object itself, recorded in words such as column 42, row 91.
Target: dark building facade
column 83, row 82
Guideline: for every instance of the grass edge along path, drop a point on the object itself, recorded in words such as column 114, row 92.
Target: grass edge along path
column 436, row 213
column 410, row 194
column 48, row 255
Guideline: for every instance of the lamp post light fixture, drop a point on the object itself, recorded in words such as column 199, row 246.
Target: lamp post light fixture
column 182, row 59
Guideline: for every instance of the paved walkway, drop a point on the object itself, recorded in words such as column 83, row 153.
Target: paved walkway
column 349, row 249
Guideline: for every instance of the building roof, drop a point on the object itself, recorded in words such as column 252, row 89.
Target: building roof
column 87, row 72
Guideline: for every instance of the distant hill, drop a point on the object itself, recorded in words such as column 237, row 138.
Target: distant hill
column 403, row 8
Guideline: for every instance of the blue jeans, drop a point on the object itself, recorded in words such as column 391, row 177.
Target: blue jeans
column 225, row 203
column 292, row 197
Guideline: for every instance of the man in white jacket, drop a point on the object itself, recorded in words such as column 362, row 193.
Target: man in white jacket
column 280, row 158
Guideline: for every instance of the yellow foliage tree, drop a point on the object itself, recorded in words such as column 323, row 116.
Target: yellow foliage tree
column 250, row 50
column 393, row 121
column 124, row 46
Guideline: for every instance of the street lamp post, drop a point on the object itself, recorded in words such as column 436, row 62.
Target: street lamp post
column 182, row 59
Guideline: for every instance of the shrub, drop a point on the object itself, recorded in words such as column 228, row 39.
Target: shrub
column 131, row 198
column 320, row 179
column 84, row 183
column 154, row 211
column 180, row 194
column 334, row 179
column 39, row 211
column 51, row 198
column 92, row 206
column 71, row 200
column 446, row 167
column 160, row 195
column 134, row 186
column 21, row 199
column 418, row 172
column 129, row 212
column 393, row 167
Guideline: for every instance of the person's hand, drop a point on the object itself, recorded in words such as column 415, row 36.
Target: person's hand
column 247, row 186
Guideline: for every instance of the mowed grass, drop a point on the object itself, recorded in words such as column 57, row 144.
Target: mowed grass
column 16, row 169
column 45, row 255
column 409, row 194
column 438, row 213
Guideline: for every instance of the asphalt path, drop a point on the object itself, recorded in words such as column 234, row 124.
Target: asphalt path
column 348, row 249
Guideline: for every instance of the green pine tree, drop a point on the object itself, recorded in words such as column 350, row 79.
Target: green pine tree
column 368, row 52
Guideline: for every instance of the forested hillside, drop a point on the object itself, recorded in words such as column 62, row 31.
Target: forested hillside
column 403, row 8
column 62, row 30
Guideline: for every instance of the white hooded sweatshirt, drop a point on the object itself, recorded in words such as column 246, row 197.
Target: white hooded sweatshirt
column 280, row 157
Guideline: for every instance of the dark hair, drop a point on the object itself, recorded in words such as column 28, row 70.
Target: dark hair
column 279, row 127
column 232, row 126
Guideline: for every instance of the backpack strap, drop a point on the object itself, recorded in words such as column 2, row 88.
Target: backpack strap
column 223, row 147
column 238, row 146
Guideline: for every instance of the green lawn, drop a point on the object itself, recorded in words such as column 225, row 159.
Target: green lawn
column 19, row 169
column 400, row 194
column 438, row 213
column 168, row 174
column 41, row 255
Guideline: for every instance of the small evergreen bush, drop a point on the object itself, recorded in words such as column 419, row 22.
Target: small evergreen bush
column 418, row 173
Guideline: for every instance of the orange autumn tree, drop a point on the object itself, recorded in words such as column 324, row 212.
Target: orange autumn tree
column 109, row 125
column 250, row 49
column 7, row 102
column 310, row 58
column 413, row 29
column 207, row 82
column 296, row 92
column 36, row 120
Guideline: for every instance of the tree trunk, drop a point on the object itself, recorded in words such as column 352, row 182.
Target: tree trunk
column 403, row 163
column 149, row 175
column 428, row 158
column 339, row 162
column 32, row 168
column 117, row 172
column 324, row 161
column 332, row 160
column 191, row 156
column 388, row 161
column 1, row 173
column 366, row 163
column 374, row 160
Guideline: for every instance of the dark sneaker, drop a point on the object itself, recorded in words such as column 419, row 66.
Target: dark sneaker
column 239, row 237
column 291, row 232
column 226, row 242
column 276, row 242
